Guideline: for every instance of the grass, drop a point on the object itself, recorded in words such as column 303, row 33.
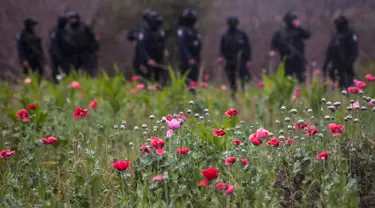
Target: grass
column 77, row 170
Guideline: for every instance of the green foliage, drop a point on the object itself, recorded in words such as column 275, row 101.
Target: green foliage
column 278, row 88
column 77, row 171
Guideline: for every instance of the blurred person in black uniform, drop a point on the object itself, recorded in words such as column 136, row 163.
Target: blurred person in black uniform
column 57, row 50
column 150, row 49
column 190, row 46
column 342, row 53
column 290, row 43
column 235, row 49
column 82, row 45
column 29, row 47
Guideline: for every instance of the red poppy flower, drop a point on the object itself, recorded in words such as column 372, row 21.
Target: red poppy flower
column 49, row 140
column 312, row 130
column 133, row 91
column 192, row 85
column 24, row 115
column 370, row 77
column 322, row 155
column 203, row 84
column 361, row 85
column 298, row 126
column 355, row 105
column 372, row 102
column 260, row 84
column 6, row 153
column 222, row 186
column 230, row 160
column 93, row 104
column 157, row 178
column 353, row 90
column 290, row 141
column 236, row 142
column 183, row 151
column 245, row 161
column 225, row 188
column 206, row 77
column 146, row 148
column 158, row 144
column 318, row 71
column 262, row 133
column 79, row 113
column 209, row 175
column 135, row 78
column 121, row 165
column 31, row 106
column 336, row 129
column 231, row 113
column 75, row 85
column 229, row 190
column 140, row 86
column 179, row 117
column 218, row 133
column 274, row 142
column 27, row 80
column 255, row 140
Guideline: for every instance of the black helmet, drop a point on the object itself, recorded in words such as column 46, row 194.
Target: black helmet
column 61, row 20
column 341, row 23
column 233, row 21
column 146, row 14
column 153, row 20
column 73, row 14
column 189, row 17
column 341, row 20
column 29, row 22
column 289, row 17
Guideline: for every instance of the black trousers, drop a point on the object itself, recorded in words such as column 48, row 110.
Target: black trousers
column 35, row 65
column 296, row 67
column 86, row 61
column 193, row 70
column 234, row 69
column 59, row 63
column 151, row 73
column 345, row 72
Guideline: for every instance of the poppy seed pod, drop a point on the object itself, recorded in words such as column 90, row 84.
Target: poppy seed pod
column 336, row 104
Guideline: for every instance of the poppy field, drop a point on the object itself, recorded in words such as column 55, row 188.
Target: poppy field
column 109, row 142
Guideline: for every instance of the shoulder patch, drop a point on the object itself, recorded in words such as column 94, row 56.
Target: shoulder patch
column 162, row 33
column 355, row 37
column 18, row 36
column 140, row 36
column 53, row 35
column 180, row 32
